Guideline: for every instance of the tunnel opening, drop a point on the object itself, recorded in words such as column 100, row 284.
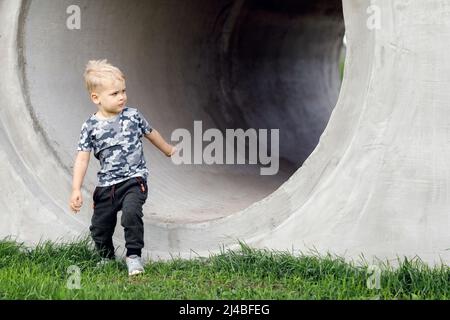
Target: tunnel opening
column 230, row 64
column 279, row 69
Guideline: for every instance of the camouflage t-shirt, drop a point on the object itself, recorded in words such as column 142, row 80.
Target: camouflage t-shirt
column 117, row 144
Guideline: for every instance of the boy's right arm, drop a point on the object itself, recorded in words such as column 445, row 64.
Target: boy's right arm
column 79, row 171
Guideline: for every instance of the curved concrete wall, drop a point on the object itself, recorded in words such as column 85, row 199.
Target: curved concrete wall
column 374, row 183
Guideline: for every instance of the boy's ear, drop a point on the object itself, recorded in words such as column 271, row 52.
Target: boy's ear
column 94, row 98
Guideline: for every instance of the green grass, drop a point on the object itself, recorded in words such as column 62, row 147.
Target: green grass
column 41, row 273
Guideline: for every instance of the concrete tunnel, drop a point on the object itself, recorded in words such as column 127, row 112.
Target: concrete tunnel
column 362, row 166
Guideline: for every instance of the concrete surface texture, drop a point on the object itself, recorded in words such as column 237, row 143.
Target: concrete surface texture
column 367, row 174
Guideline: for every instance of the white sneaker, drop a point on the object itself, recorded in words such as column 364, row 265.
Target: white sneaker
column 134, row 264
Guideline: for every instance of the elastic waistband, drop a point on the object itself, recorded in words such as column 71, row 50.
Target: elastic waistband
column 139, row 178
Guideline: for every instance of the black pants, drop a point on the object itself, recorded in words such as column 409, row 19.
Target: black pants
column 128, row 196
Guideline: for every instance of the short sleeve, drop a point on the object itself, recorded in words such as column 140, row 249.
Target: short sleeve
column 144, row 125
column 85, row 142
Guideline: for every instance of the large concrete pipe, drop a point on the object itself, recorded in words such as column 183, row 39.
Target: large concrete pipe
column 364, row 175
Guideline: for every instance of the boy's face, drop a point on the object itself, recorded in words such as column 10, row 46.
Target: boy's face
column 111, row 97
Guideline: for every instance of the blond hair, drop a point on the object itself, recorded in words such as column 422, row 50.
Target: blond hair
column 97, row 71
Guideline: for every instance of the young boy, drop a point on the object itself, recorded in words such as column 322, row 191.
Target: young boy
column 114, row 133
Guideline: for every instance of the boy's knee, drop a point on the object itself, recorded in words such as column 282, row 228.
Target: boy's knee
column 132, row 217
column 132, row 208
